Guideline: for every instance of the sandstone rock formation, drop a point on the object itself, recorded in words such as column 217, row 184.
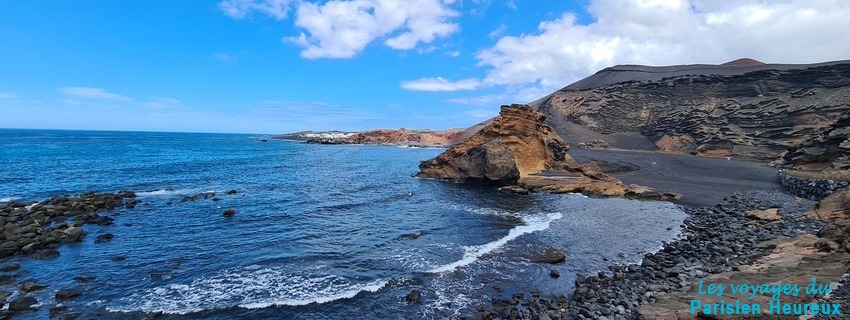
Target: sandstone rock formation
column 515, row 144
column 517, row 149
column 798, row 114
column 835, row 210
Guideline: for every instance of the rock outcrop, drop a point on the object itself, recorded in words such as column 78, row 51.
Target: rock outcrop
column 517, row 149
column 402, row 137
column 796, row 114
column 408, row 137
column 514, row 145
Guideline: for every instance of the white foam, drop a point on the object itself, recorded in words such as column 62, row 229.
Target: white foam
column 8, row 199
column 481, row 210
column 252, row 287
column 155, row 193
column 348, row 294
column 472, row 253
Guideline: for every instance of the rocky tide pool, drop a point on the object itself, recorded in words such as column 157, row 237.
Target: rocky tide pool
column 330, row 232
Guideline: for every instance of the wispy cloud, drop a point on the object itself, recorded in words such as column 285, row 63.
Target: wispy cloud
column 497, row 32
column 7, row 95
column 453, row 54
column 440, row 84
column 225, row 57
column 91, row 93
column 161, row 103
column 240, row 9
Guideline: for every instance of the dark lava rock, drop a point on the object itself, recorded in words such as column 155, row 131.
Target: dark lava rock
column 413, row 297
column 55, row 311
column 30, row 286
column 9, row 267
column 67, row 294
column 7, row 279
column 232, row 192
column 106, row 237
column 554, row 273
column 84, row 279
column 205, row 195
column 229, row 212
column 159, row 276
column 119, row 258
column 45, row 254
column 549, row 255
column 73, row 234
column 70, row 316
column 22, row 304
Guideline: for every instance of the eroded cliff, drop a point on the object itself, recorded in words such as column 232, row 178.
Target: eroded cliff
column 797, row 114
column 515, row 144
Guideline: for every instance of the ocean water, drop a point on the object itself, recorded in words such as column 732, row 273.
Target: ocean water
column 321, row 232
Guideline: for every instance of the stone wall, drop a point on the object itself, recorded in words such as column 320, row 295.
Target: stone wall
column 814, row 189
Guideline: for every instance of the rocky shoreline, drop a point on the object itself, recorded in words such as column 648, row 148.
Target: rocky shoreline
column 716, row 241
column 37, row 229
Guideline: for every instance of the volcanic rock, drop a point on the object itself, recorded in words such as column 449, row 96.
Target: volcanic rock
column 797, row 115
column 413, row 297
column 22, row 304
column 549, row 255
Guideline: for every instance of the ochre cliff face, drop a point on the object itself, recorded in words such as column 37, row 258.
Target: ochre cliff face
column 515, row 144
column 796, row 113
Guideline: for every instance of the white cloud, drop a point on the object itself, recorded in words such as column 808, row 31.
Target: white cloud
column 240, row 9
column 91, row 93
column 343, row 28
column 656, row 32
column 453, row 54
column 498, row 31
column 440, row 84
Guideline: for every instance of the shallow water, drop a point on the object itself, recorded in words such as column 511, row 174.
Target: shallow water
column 321, row 232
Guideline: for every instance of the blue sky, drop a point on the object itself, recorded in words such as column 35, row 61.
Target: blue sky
column 274, row 66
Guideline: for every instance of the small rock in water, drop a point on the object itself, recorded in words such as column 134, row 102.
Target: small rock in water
column 229, row 212
column 232, row 192
column 84, row 279
column 7, row 279
column 9, row 267
column 159, row 276
column 119, row 258
column 550, row 255
column 66, row 294
column 70, row 316
column 45, row 254
column 30, row 286
column 22, row 304
column 413, row 297
column 554, row 273
column 106, row 237
column 55, row 311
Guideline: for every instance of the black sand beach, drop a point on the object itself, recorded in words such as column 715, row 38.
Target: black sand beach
column 700, row 181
